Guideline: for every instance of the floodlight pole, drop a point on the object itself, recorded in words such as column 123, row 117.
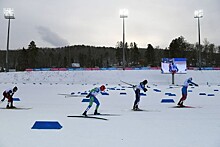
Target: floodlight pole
column 199, row 44
column 9, row 14
column 198, row 15
column 123, row 43
column 173, row 78
column 123, row 15
column 7, row 67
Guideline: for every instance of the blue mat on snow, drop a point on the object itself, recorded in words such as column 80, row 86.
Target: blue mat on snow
column 143, row 94
column 46, row 125
column 157, row 90
column 211, row 95
column 104, row 93
column 85, row 100
column 167, row 101
column 202, row 93
column 123, row 93
column 167, row 93
column 84, row 93
column 16, row 99
column 170, row 94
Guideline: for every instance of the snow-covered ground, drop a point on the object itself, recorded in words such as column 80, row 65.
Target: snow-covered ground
column 160, row 126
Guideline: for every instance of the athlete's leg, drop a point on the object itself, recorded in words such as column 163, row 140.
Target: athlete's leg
column 9, row 99
column 97, row 106
column 89, row 106
column 184, row 95
column 97, row 103
column 137, row 99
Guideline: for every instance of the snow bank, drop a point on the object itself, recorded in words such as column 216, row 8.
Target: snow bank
column 109, row 77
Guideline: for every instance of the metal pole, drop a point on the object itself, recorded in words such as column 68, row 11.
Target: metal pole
column 173, row 78
column 123, row 44
column 200, row 64
column 7, row 66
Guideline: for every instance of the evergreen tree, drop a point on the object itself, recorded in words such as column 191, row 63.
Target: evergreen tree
column 119, row 52
column 134, row 54
column 22, row 60
column 177, row 47
column 149, row 55
column 32, row 54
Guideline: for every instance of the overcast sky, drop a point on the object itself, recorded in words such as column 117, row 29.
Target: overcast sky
column 57, row 23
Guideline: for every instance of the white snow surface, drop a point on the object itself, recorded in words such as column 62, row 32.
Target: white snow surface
column 160, row 126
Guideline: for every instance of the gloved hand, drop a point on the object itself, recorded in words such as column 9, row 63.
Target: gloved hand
column 3, row 99
column 196, row 85
column 145, row 89
column 88, row 95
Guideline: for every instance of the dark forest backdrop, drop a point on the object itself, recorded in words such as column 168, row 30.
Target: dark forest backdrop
column 90, row 56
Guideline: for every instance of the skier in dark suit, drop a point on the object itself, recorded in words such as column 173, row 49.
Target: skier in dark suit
column 137, row 89
column 8, row 93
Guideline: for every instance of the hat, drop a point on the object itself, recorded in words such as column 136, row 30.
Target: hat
column 145, row 82
column 15, row 89
column 102, row 88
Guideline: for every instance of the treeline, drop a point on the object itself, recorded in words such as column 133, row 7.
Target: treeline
column 90, row 56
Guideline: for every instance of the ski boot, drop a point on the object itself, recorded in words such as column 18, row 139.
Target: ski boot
column 12, row 107
column 138, row 109
column 7, row 107
column 84, row 113
column 180, row 103
column 134, row 107
column 96, row 113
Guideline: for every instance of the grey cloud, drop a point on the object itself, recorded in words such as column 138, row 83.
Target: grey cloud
column 157, row 22
column 51, row 37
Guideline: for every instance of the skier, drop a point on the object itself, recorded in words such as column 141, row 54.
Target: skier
column 184, row 90
column 8, row 94
column 137, row 89
column 92, row 95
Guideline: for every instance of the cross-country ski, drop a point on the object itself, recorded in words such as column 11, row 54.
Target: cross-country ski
column 71, row 95
column 186, row 107
column 91, row 117
column 16, row 108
